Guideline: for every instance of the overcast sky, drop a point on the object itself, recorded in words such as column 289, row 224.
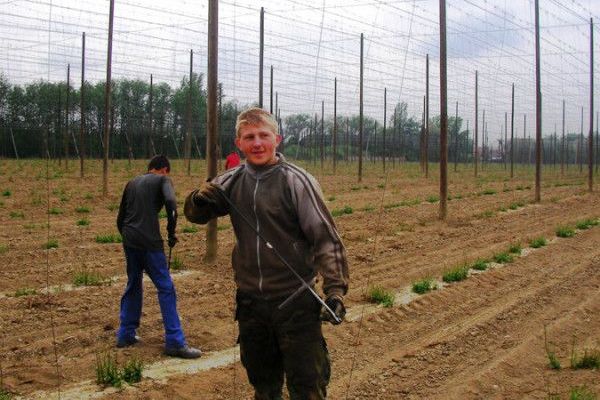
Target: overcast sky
column 310, row 45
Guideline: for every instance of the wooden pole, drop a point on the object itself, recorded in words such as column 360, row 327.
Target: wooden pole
column 271, row 91
column 562, row 144
column 426, row 151
column 384, row 125
column 512, row 133
column 476, row 133
column 212, row 121
column 443, row 116
column 322, row 142
column 67, row 110
column 334, row 124
column 456, row 138
column 538, row 107
column 261, row 57
column 360, row 117
column 107, row 100
column 82, row 109
column 591, row 133
column 505, row 140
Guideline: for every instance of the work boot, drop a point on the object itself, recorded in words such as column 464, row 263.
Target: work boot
column 183, row 352
column 126, row 342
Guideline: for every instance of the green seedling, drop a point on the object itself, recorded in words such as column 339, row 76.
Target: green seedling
column 565, row 232
column 3, row 248
column 162, row 213
column 342, row 211
column 132, row 371
column 50, row 244
column 488, row 192
column 25, row 292
column 177, row 264
column 503, row 258
column 17, row 214
column 107, row 371
column 586, row 224
column 553, row 361
column 589, row 360
column 581, row 393
column 82, row 209
column 515, row 248
column 432, row 199
column 223, row 227
column 190, row 229
column 83, row 222
column 87, row 278
column 538, row 242
column 88, row 196
column 456, row 274
column 379, row 295
column 55, row 211
column 480, row 265
column 6, row 193
column 112, row 207
column 110, row 238
column 423, row 286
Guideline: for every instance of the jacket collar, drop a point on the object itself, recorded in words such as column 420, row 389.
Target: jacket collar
column 263, row 172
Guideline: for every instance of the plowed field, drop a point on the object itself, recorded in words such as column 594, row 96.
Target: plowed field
column 481, row 338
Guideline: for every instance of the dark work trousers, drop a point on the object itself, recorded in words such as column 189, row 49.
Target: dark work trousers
column 289, row 342
column 155, row 265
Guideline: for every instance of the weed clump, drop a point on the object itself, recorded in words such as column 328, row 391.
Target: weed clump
column 586, row 224
column 488, row 192
column 3, row 248
column 84, row 277
column 4, row 395
column 380, row 295
column 25, row 292
column 110, row 238
column 17, row 214
column 132, row 371
column 456, row 274
column 190, row 229
column 480, row 265
column 50, row 244
column 433, row 199
column 107, row 371
column 503, row 258
column 82, row 209
column 83, row 222
column 565, row 232
column 341, row 211
column 423, row 286
column 177, row 264
column 589, row 360
column 515, row 248
column 55, row 211
column 538, row 242
column 553, row 361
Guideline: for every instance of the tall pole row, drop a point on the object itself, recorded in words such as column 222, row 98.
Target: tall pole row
column 512, row 133
column 271, row 92
column 322, row 141
column 67, row 110
column 107, row 100
column 426, row 150
column 443, row 116
column 384, row 125
column 187, row 150
column 212, row 121
column 538, row 107
column 334, row 124
column 505, row 139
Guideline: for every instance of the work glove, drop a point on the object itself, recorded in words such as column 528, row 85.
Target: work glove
column 172, row 240
column 208, row 193
column 337, row 306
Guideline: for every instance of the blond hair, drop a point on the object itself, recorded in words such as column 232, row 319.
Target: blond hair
column 255, row 116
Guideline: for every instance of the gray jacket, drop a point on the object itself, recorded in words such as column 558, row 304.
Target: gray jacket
column 285, row 203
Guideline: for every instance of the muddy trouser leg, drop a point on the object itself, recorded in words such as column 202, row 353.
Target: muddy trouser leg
column 305, row 356
column 259, row 350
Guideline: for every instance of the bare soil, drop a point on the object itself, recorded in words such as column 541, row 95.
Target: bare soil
column 482, row 338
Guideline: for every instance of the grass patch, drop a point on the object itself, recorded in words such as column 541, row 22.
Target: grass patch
column 590, row 359
column 538, row 242
column 82, row 209
column 341, row 211
column 515, row 248
column 6, row 193
column 177, row 264
column 488, row 192
column 107, row 371
column 480, row 265
column 379, row 295
column 565, row 232
column 88, row 196
column 84, row 277
column 503, row 258
column 50, row 244
column 423, row 286
column 581, row 393
column 110, row 238
column 190, row 229
column 586, row 224
column 112, row 207
column 17, row 214
column 83, row 222
column 162, row 213
column 432, row 199
column 3, row 248
column 132, row 371
column 456, row 274
column 4, row 395
column 55, row 211
column 25, row 292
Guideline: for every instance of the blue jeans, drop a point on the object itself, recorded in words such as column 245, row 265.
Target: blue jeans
column 155, row 265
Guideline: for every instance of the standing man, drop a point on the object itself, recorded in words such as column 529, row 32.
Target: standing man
column 285, row 204
column 142, row 199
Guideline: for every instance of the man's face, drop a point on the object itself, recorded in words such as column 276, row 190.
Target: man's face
column 258, row 143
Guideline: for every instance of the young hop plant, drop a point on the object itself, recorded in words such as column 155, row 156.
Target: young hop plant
column 379, row 295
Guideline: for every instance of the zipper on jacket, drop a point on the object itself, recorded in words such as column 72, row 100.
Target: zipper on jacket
column 260, row 277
